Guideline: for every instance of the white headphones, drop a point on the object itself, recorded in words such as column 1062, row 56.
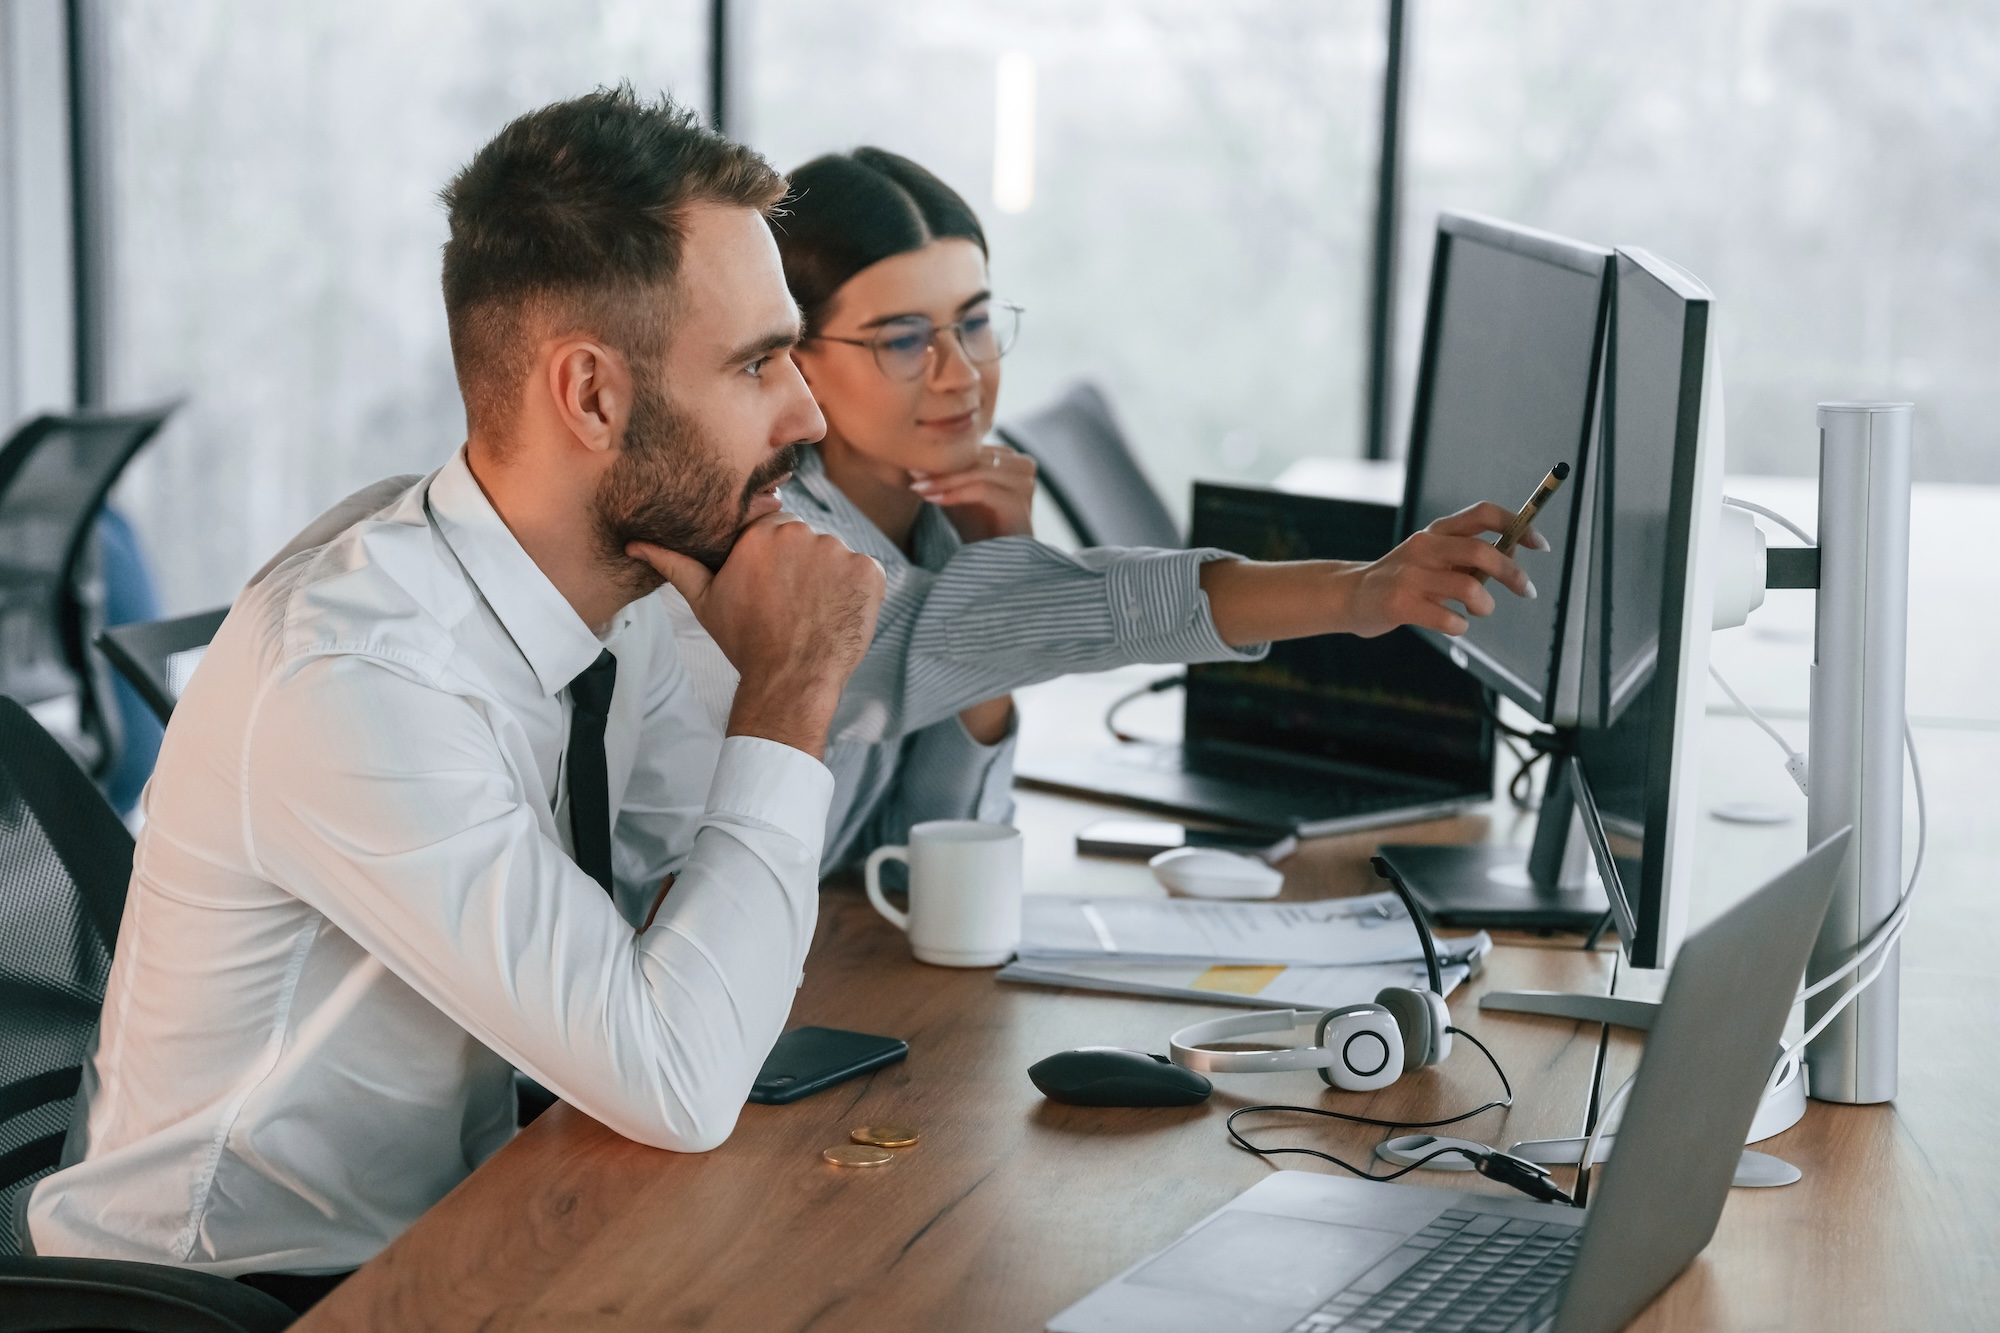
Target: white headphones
column 1356, row 1048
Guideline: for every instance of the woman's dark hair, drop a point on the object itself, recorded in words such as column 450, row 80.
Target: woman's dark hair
column 846, row 211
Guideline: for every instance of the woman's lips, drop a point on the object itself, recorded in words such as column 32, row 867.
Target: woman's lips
column 949, row 425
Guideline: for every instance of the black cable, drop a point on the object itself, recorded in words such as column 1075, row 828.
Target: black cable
column 1520, row 787
column 1153, row 687
column 1494, row 1165
column 1432, row 970
column 1590, row 1114
column 1541, row 744
column 1507, row 1087
column 1492, row 711
column 1506, row 1101
column 1509, row 1170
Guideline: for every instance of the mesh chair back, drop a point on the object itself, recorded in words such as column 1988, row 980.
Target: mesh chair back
column 1089, row 471
column 54, row 474
column 64, row 864
column 158, row 658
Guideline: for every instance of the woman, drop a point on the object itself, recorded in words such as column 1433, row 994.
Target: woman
column 902, row 350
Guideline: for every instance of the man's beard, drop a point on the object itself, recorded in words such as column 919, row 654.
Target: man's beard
column 670, row 489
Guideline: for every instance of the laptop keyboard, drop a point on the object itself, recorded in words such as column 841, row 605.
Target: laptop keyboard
column 1464, row 1273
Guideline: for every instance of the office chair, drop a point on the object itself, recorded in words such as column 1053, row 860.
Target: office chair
column 54, row 474
column 64, row 863
column 112, row 1296
column 157, row 657
column 1090, row 473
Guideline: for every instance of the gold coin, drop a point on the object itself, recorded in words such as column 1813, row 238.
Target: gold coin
column 856, row 1154
column 884, row 1136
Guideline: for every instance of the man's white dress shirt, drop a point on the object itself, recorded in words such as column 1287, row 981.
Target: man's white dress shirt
column 353, row 906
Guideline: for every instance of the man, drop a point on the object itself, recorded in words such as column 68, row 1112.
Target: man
column 430, row 755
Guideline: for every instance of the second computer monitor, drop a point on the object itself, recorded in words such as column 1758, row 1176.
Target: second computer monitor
column 1508, row 388
column 1658, row 501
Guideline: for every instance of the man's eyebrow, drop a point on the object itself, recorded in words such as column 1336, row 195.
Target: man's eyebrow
column 963, row 306
column 776, row 341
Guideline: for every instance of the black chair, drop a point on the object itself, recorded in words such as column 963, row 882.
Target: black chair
column 1089, row 471
column 54, row 475
column 73, row 1295
column 158, row 656
column 65, row 860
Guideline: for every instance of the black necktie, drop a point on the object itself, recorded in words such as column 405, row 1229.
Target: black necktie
column 589, row 789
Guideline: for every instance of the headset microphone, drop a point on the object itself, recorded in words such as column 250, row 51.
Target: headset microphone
column 1362, row 1047
column 1357, row 1047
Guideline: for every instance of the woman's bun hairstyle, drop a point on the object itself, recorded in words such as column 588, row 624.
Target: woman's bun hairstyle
column 846, row 211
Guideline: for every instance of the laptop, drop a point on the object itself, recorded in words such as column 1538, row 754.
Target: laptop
column 1310, row 1253
column 1325, row 735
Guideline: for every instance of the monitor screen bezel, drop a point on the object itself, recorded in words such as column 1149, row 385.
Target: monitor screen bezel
column 1540, row 698
column 1642, row 908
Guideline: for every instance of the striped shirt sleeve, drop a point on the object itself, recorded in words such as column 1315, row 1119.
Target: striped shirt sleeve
column 1013, row 611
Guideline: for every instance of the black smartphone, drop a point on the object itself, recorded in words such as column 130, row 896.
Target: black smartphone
column 1140, row 839
column 806, row 1060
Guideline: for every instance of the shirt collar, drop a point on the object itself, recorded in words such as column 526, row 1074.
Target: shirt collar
column 542, row 623
column 933, row 538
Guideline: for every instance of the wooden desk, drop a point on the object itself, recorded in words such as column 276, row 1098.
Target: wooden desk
column 1011, row 1207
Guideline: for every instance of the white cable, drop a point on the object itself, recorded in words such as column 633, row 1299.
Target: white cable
column 1848, row 996
column 1774, row 516
column 1885, row 934
column 1883, row 938
column 1795, row 763
column 1589, row 1158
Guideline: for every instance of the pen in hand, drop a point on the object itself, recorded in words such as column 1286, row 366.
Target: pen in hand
column 1525, row 519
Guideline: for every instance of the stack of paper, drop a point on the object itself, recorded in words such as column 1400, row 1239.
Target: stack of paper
column 1307, row 955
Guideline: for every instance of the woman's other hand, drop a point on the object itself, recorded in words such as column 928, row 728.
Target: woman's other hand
column 992, row 498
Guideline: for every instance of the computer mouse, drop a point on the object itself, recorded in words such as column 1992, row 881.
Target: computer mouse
column 1209, row 872
column 1114, row 1076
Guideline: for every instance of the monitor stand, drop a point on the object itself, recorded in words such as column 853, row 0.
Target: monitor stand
column 1552, row 886
column 1569, row 805
column 1616, row 1010
column 1557, row 884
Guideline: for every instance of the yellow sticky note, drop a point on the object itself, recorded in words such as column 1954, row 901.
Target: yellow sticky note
column 1237, row 979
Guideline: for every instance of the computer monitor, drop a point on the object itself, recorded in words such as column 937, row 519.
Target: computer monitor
column 1658, row 500
column 1640, row 603
column 1506, row 389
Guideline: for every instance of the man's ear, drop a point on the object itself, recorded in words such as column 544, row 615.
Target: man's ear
column 591, row 386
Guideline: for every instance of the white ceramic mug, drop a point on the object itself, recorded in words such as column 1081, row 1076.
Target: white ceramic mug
column 965, row 891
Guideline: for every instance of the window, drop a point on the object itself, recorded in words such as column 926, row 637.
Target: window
column 1825, row 166
column 1195, row 235
column 276, row 233
column 1179, row 191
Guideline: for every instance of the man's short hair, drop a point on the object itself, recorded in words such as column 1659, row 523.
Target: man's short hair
column 572, row 220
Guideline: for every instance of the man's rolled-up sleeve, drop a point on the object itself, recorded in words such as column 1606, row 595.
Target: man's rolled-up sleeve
column 414, row 837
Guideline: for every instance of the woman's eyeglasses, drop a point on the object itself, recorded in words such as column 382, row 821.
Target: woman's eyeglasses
column 903, row 347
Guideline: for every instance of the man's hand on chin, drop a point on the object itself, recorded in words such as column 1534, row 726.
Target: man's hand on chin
column 793, row 611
